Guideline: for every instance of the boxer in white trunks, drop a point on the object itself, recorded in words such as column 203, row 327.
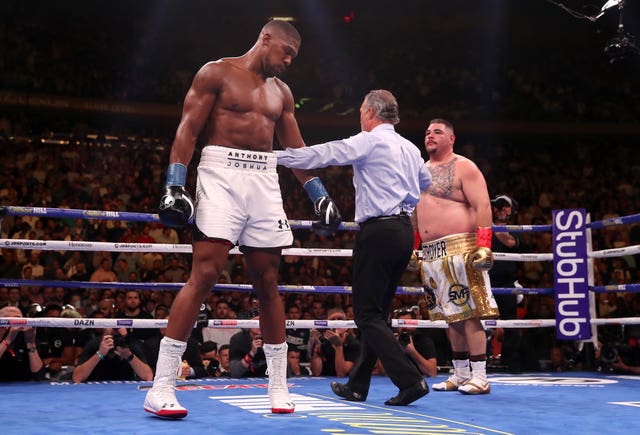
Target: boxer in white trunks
column 235, row 105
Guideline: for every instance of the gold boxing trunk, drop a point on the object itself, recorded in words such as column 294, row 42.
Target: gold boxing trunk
column 453, row 290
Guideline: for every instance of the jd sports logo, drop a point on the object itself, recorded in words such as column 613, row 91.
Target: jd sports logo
column 283, row 224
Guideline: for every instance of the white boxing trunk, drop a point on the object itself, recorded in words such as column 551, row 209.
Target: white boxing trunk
column 238, row 198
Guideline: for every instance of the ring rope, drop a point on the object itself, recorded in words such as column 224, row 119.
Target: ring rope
column 402, row 290
column 113, row 215
column 504, row 256
column 60, row 322
column 59, row 245
column 296, row 224
column 616, row 252
column 615, row 288
column 630, row 219
column 67, row 213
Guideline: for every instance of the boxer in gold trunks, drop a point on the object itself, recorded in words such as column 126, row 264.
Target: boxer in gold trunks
column 453, row 219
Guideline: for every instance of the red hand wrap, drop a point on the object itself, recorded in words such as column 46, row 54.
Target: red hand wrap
column 416, row 240
column 483, row 237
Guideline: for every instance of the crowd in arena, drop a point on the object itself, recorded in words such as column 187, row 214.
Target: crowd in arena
column 90, row 177
column 484, row 72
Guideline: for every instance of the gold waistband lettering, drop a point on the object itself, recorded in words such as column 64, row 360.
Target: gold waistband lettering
column 448, row 246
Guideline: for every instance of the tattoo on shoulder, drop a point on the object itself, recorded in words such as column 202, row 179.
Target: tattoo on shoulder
column 442, row 179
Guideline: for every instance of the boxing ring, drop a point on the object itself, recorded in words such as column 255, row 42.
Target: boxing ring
column 585, row 402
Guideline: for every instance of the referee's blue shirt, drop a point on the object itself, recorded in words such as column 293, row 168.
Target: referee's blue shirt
column 388, row 170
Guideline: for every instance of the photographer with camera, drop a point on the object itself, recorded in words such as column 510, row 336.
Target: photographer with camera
column 112, row 357
column 505, row 343
column 246, row 353
column 620, row 365
column 416, row 344
column 209, row 356
column 60, row 347
column 333, row 351
column 618, row 358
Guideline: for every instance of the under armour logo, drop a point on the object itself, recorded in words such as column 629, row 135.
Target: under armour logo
column 282, row 224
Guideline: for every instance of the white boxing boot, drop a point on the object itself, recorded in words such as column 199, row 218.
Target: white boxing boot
column 461, row 374
column 161, row 398
column 276, row 355
column 478, row 384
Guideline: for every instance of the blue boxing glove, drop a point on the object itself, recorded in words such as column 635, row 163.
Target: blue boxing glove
column 176, row 206
column 324, row 207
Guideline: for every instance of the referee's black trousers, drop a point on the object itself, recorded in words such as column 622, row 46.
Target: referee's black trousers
column 381, row 253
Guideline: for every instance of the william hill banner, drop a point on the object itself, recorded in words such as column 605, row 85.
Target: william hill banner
column 571, row 274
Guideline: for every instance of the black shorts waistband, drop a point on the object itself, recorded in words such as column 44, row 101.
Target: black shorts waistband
column 401, row 216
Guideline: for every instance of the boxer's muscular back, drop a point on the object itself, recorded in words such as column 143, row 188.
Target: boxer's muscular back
column 443, row 209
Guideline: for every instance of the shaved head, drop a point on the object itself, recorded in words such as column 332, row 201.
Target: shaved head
column 281, row 28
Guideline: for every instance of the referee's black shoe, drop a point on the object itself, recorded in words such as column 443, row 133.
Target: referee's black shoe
column 344, row 391
column 409, row 395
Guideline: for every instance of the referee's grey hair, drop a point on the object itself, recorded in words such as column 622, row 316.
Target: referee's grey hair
column 384, row 105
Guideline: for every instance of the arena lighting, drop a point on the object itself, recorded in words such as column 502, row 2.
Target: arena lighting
column 620, row 47
column 608, row 5
column 289, row 19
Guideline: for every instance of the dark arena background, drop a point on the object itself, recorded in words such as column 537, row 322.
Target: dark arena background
column 545, row 99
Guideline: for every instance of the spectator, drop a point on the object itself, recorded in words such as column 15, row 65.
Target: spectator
column 37, row 269
column 104, row 273
column 417, row 344
column 107, row 307
column 504, row 210
column 297, row 337
column 80, row 273
column 295, row 368
column 133, row 310
column 9, row 267
column 112, row 357
column 209, row 356
column 166, row 235
column 123, row 269
column 246, row 355
column 160, row 312
column 19, row 358
column 176, row 270
column 220, row 335
column 224, row 359
column 59, row 348
column 621, row 366
column 333, row 351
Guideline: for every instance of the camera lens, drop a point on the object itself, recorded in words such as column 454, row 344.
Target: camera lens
column 404, row 338
column 609, row 354
column 119, row 340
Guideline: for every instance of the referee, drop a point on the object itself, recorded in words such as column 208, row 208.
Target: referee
column 389, row 174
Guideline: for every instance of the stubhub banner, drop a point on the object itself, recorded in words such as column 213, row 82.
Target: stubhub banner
column 571, row 274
